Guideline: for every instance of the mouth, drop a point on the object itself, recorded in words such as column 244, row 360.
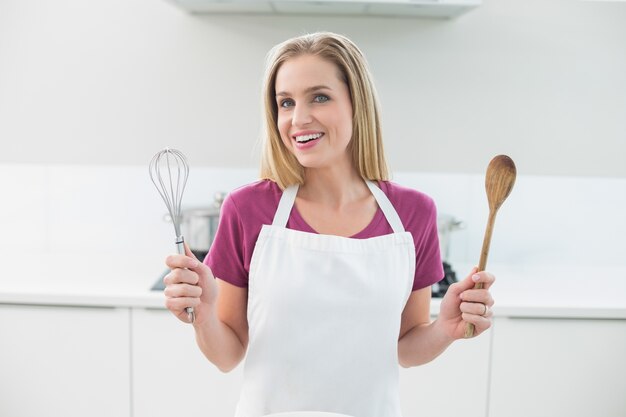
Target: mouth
column 301, row 139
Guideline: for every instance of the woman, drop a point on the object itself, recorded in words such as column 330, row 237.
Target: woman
column 323, row 268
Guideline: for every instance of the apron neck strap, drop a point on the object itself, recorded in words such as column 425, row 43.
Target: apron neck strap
column 285, row 205
column 385, row 205
column 289, row 197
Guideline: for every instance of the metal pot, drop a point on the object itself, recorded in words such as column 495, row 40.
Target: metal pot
column 199, row 225
column 446, row 224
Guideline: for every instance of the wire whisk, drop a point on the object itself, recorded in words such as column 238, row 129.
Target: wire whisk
column 169, row 171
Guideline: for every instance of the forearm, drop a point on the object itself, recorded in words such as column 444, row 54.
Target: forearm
column 219, row 343
column 422, row 344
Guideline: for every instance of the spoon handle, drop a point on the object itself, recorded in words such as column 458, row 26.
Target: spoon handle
column 482, row 264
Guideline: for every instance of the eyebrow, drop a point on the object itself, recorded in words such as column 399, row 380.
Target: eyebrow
column 308, row 90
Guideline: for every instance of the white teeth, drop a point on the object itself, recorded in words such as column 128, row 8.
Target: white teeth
column 306, row 138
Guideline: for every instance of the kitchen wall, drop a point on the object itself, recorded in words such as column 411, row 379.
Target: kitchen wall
column 108, row 82
column 89, row 91
column 107, row 213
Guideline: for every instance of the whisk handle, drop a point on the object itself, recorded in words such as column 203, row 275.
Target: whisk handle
column 180, row 248
column 180, row 245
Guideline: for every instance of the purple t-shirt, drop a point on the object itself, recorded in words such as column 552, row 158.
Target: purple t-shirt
column 247, row 208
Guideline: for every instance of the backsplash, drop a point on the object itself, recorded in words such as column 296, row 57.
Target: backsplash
column 102, row 211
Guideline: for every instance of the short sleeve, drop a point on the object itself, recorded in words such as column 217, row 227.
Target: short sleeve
column 226, row 257
column 419, row 217
column 428, row 265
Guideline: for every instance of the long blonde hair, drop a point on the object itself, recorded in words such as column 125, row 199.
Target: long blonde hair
column 366, row 147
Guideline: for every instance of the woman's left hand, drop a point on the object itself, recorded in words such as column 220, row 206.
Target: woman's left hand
column 463, row 304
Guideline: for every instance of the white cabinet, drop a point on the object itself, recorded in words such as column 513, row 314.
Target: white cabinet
column 171, row 376
column 87, row 361
column 64, row 361
column 558, row 367
column 454, row 384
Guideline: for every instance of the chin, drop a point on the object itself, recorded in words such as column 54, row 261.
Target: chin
column 308, row 163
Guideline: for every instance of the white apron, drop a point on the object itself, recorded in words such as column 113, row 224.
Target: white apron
column 324, row 318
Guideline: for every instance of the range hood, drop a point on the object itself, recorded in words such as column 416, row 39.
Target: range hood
column 403, row 8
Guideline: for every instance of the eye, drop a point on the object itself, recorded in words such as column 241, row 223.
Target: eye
column 321, row 98
column 286, row 103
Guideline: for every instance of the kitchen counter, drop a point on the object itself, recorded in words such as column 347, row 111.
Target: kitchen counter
column 125, row 280
column 108, row 280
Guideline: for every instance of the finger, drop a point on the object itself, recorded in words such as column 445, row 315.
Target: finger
column 477, row 309
column 480, row 323
column 180, row 276
column 477, row 296
column 189, row 253
column 181, row 303
column 467, row 283
column 181, row 261
column 204, row 273
column 483, row 277
column 182, row 290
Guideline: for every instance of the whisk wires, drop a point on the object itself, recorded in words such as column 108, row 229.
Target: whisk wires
column 169, row 171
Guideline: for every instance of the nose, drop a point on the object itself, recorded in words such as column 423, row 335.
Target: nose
column 301, row 115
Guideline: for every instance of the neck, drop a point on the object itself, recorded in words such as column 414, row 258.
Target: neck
column 336, row 185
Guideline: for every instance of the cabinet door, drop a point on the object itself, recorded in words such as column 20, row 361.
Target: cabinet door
column 558, row 367
column 64, row 361
column 453, row 384
column 171, row 376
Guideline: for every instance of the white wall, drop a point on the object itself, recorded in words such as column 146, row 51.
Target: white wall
column 111, row 213
column 89, row 91
column 110, row 82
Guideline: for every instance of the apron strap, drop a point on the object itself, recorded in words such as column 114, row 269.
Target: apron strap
column 285, row 205
column 385, row 205
column 289, row 197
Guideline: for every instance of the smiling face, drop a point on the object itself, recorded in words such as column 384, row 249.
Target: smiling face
column 314, row 111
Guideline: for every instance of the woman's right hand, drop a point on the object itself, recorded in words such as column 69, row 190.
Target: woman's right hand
column 189, row 284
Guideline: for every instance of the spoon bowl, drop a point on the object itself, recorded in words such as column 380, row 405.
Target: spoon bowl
column 499, row 180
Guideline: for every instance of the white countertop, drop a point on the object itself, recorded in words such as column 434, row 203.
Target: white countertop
column 112, row 280
column 125, row 281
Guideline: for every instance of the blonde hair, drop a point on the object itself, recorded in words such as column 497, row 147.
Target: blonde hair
column 366, row 147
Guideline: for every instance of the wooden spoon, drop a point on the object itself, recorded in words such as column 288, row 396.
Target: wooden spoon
column 499, row 182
